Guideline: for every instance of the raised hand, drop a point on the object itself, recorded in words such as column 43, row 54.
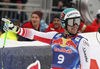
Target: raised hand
column 9, row 26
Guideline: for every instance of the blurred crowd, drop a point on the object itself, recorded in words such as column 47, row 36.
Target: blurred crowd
column 19, row 15
column 36, row 19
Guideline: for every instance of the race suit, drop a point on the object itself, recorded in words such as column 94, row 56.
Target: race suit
column 66, row 51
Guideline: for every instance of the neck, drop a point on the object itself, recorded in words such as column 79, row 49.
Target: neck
column 59, row 28
column 36, row 27
column 66, row 34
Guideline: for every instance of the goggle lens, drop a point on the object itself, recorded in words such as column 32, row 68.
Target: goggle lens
column 72, row 22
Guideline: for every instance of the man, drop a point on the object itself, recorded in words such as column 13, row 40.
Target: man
column 56, row 24
column 70, row 50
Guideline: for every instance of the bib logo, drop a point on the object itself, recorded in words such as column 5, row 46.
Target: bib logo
column 35, row 65
column 64, row 42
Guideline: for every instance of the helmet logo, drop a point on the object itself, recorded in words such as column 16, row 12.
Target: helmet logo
column 63, row 15
column 74, row 13
column 67, row 15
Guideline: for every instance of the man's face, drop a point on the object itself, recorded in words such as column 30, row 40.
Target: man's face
column 57, row 23
column 73, row 30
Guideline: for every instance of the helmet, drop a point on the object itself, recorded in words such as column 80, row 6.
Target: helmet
column 98, row 14
column 69, row 13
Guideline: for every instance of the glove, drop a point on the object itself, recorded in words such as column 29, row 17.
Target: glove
column 9, row 26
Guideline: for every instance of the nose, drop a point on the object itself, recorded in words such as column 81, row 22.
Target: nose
column 75, row 25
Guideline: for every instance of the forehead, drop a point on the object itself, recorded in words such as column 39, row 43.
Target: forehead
column 35, row 15
column 56, row 19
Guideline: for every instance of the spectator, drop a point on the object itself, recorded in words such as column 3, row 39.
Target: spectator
column 87, row 28
column 20, row 15
column 82, row 29
column 12, row 35
column 58, row 5
column 34, row 23
column 55, row 25
column 96, row 21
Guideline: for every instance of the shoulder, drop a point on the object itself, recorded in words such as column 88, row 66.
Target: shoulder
column 83, row 40
column 51, row 25
column 26, row 23
column 58, row 35
column 79, row 38
column 94, row 22
column 82, row 37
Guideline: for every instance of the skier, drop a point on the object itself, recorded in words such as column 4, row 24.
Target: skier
column 70, row 50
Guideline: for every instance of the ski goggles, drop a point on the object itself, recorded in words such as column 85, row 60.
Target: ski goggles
column 72, row 21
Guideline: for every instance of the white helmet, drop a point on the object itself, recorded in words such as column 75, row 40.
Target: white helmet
column 68, row 15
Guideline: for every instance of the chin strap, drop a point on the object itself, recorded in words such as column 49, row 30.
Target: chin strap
column 68, row 35
column 65, row 35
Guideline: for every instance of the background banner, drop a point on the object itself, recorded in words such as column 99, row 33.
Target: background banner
column 27, row 57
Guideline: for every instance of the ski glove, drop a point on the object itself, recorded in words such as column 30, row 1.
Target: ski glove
column 8, row 25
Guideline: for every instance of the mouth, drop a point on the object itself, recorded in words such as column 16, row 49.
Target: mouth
column 34, row 21
column 74, row 29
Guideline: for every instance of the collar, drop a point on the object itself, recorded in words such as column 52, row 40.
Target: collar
column 34, row 27
column 69, row 36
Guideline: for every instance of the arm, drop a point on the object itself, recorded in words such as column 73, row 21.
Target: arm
column 36, row 35
column 82, row 27
column 84, row 54
column 91, row 28
column 94, row 23
column 28, row 33
column 87, row 28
